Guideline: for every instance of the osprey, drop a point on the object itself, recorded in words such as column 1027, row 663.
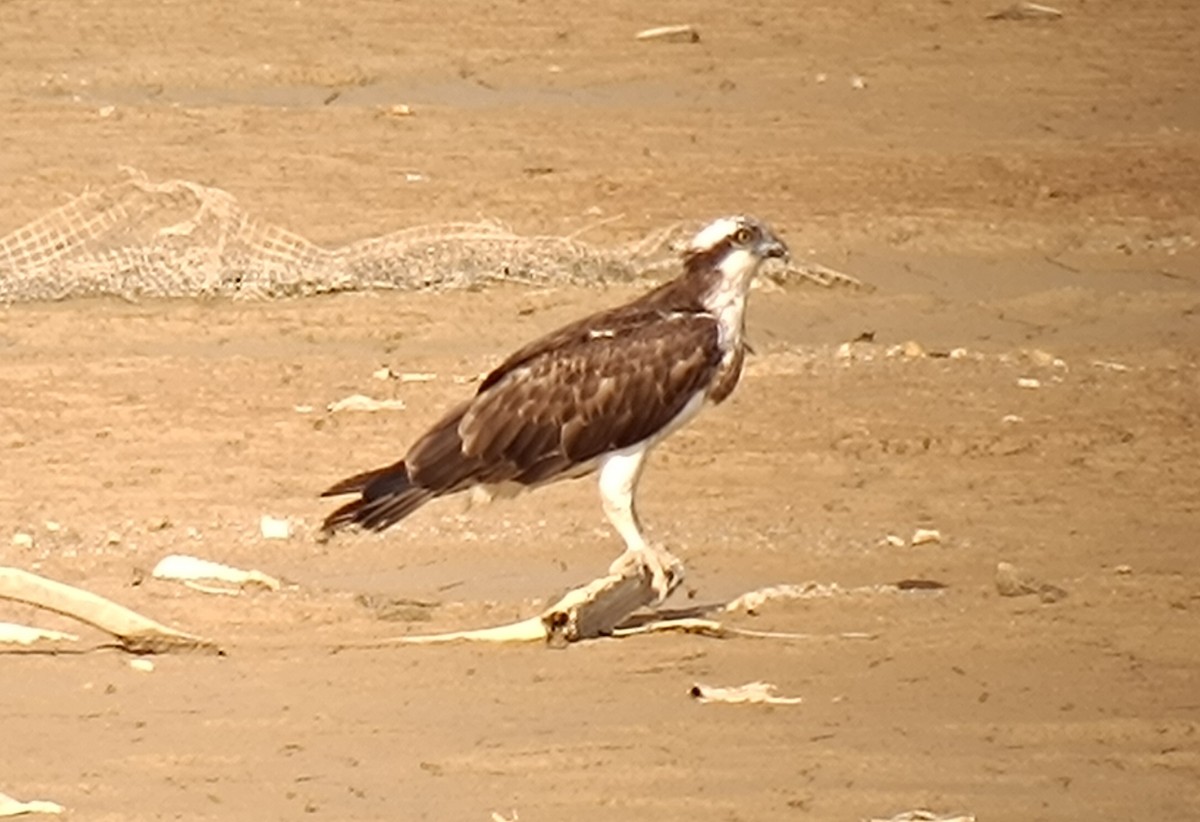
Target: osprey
column 595, row 395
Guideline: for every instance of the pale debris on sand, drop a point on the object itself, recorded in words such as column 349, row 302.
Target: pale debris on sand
column 923, row 536
column 274, row 527
column 188, row 569
column 752, row 601
column 26, row 635
column 361, row 402
column 15, row 807
column 684, row 33
column 136, row 633
column 752, row 692
column 921, row 815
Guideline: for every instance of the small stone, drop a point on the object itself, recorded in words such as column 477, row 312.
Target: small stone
column 141, row 664
column 922, row 536
column 22, row 540
column 1028, row 382
column 893, row 541
column 909, row 350
column 1012, row 581
column 1038, row 357
column 274, row 528
column 1123, row 570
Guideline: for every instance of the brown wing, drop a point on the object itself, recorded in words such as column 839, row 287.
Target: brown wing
column 565, row 405
column 674, row 297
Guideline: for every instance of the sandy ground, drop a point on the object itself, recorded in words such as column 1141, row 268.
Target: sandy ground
column 1026, row 191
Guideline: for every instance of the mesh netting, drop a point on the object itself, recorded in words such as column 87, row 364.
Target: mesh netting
column 182, row 239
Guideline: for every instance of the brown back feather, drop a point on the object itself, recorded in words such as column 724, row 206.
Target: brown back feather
column 566, row 406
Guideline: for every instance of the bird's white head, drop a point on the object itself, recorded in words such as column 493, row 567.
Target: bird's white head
column 727, row 253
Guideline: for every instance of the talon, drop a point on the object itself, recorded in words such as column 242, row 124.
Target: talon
column 666, row 570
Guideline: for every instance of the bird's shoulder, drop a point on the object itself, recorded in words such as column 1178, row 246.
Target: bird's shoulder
column 661, row 318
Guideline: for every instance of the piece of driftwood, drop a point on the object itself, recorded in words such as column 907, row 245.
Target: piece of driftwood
column 752, row 692
column 595, row 609
column 685, row 33
column 133, row 631
column 15, row 807
column 601, row 608
column 189, row 570
column 586, row 612
column 1026, row 11
column 922, row 815
column 28, row 635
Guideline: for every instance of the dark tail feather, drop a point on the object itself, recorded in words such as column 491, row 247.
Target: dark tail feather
column 358, row 483
column 388, row 496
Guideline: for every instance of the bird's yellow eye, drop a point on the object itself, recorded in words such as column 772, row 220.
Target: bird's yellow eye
column 742, row 236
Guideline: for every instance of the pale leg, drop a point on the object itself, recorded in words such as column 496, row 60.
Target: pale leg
column 619, row 474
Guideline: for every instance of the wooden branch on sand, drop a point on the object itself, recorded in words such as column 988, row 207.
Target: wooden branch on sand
column 601, row 608
column 133, row 631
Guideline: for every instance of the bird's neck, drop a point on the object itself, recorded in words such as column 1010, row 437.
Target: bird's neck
column 724, row 295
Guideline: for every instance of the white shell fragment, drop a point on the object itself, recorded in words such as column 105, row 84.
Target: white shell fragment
column 25, row 635
column 922, row 536
column 1028, row 382
column 186, row 569
column 921, row 815
column 361, row 402
column 141, row 664
column 751, row 692
column 1108, row 365
column 15, row 807
column 22, row 540
column 893, row 541
column 274, row 528
column 1026, row 11
column 685, row 33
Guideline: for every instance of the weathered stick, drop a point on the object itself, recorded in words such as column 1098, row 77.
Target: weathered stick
column 135, row 632
column 586, row 612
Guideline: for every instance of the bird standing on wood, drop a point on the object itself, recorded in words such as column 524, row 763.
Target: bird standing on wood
column 595, row 395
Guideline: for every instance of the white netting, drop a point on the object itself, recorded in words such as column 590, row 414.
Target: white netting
column 181, row 239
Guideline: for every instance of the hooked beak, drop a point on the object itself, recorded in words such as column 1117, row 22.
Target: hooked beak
column 772, row 246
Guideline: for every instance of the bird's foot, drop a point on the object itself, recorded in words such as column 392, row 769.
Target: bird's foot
column 666, row 569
